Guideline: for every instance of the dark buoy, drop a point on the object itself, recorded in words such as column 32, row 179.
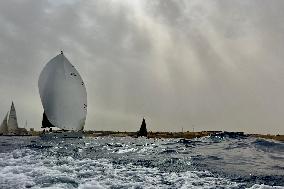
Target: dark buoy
column 61, row 52
column 143, row 129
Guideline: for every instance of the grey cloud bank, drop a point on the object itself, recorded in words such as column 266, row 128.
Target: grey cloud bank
column 213, row 64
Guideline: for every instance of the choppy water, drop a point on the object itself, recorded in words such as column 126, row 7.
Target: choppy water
column 29, row 162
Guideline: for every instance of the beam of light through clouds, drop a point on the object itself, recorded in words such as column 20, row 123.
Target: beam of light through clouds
column 217, row 64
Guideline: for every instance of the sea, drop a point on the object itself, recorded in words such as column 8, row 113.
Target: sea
column 125, row 162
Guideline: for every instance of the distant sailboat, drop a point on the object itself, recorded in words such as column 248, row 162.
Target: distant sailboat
column 64, row 97
column 12, row 121
column 9, row 125
column 4, row 125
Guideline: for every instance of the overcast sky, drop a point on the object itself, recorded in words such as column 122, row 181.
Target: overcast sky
column 217, row 65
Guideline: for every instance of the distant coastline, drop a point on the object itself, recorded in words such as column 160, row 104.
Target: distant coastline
column 185, row 135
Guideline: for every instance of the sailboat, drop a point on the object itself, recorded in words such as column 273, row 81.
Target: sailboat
column 64, row 99
column 4, row 125
column 9, row 125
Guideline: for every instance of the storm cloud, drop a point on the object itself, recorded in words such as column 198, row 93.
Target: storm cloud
column 217, row 65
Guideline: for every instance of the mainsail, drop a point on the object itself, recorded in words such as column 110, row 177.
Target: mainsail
column 4, row 126
column 63, row 94
column 12, row 120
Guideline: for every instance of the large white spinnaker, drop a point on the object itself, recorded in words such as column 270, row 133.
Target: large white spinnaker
column 12, row 120
column 4, row 126
column 63, row 94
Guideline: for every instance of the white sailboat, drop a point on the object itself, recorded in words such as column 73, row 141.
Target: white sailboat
column 9, row 125
column 12, row 121
column 64, row 98
column 4, row 125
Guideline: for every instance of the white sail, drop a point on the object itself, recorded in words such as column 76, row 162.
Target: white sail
column 12, row 120
column 63, row 94
column 4, row 126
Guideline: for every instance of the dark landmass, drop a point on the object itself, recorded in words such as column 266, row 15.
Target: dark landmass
column 185, row 135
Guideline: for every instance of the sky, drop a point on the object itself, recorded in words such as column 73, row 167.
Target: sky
column 211, row 64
